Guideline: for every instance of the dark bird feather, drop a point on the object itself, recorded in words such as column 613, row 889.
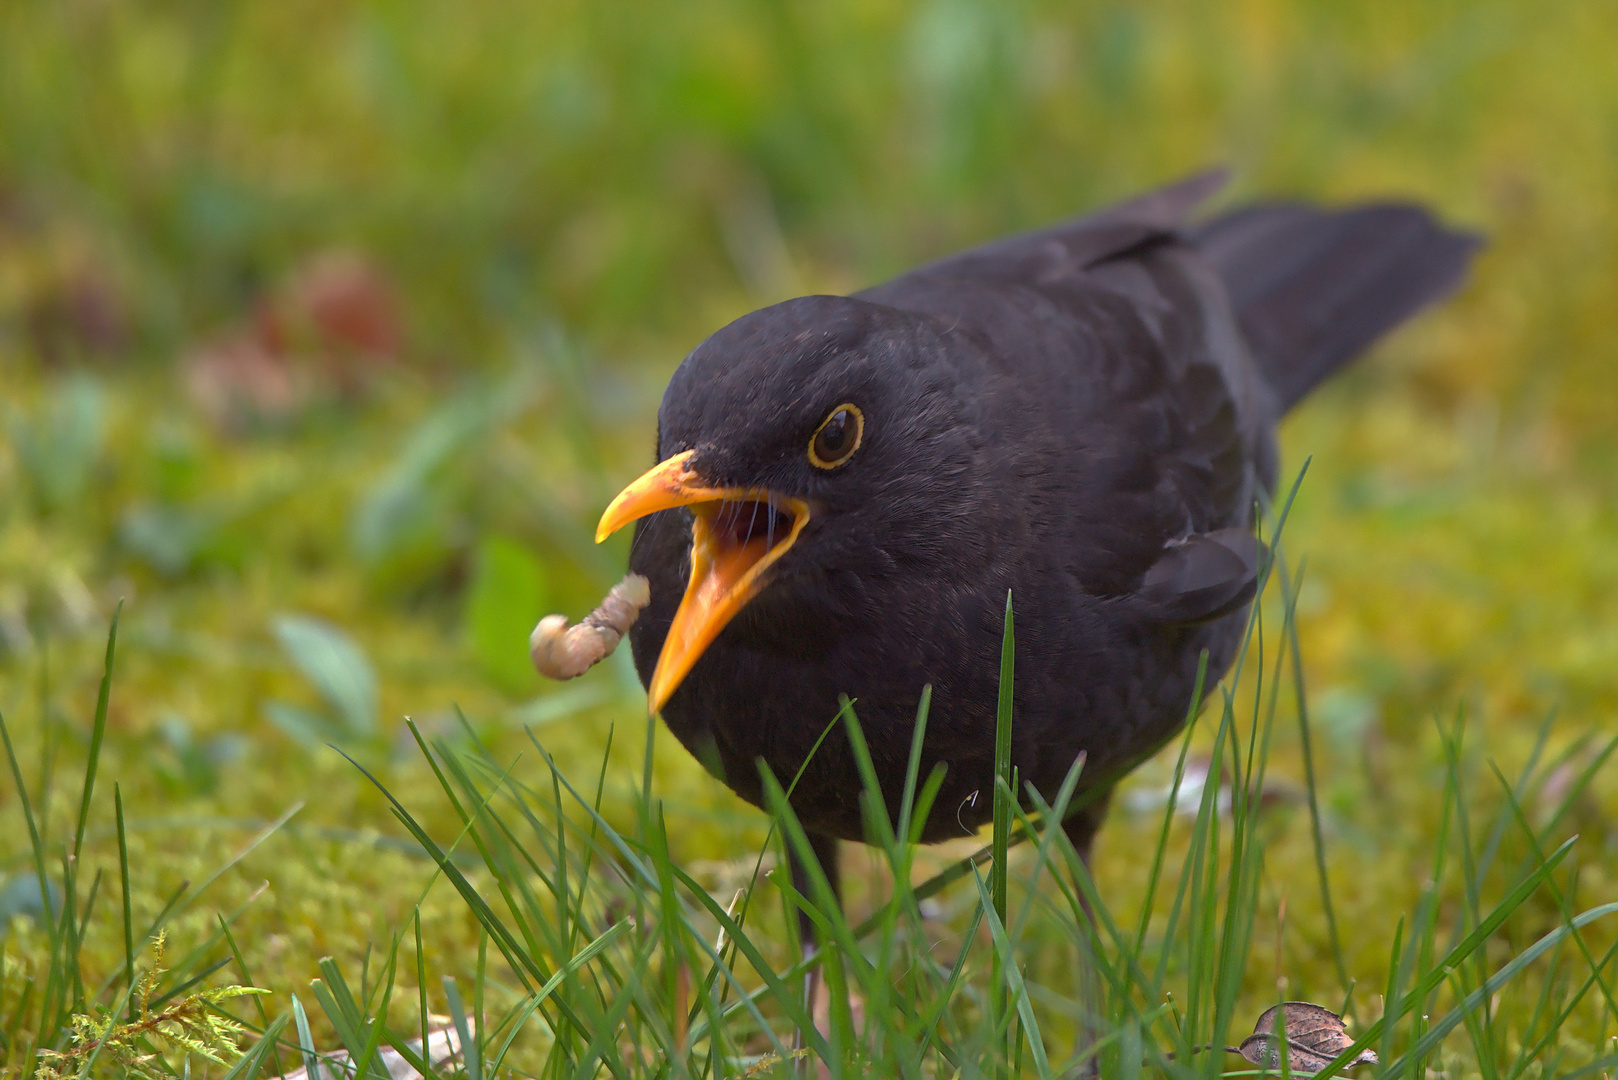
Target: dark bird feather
column 1084, row 416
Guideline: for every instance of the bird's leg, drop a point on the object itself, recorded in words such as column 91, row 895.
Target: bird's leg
column 825, row 852
column 1081, row 826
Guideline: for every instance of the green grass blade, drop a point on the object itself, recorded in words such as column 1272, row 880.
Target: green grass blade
column 98, row 731
column 1435, row 1034
column 306, row 1042
column 1004, row 786
column 1170, row 805
column 1014, row 982
column 1398, row 1008
column 536, row 999
column 1310, row 783
column 252, row 1062
column 918, row 737
column 123, row 878
column 471, row 1058
column 1002, row 764
column 879, row 827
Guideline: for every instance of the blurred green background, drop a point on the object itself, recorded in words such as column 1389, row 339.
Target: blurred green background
column 327, row 329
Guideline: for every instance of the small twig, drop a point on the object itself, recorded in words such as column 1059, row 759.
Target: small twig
column 1169, row 1054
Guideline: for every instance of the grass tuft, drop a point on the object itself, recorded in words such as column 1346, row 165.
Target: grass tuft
column 599, row 954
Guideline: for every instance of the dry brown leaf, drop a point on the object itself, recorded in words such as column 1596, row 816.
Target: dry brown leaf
column 1314, row 1038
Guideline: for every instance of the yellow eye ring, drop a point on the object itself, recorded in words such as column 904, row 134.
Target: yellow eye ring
column 837, row 437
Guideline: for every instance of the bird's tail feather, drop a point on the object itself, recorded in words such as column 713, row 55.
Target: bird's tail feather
column 1312, row 288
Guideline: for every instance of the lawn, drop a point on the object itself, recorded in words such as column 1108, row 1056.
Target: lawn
column 328, row 329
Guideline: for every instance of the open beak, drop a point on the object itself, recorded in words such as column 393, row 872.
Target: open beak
column 737, row 535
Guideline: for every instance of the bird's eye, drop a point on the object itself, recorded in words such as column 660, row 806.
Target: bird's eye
column 837, row 438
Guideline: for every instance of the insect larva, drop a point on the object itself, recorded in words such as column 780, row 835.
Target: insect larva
column 561, row 651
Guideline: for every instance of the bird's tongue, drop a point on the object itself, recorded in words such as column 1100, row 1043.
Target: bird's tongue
column 717, row 581
column 731, row 545
column 737, row 534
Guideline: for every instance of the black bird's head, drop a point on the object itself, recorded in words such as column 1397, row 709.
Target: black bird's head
column 821, row 436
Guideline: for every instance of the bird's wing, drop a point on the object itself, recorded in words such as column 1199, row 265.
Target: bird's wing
column 1222, row 455
column 1127, row 356
column 1060, row 250
column 1201, row 577
column 1313, row 287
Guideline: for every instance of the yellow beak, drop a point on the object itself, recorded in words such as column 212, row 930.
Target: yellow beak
column 737, row 535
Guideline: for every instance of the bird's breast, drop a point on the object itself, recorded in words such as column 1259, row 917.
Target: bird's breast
column 1088, row 679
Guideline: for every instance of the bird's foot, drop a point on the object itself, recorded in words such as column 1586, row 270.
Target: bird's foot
column 820, row 1009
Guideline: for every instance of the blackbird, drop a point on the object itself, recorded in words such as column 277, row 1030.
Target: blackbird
column 848, row 487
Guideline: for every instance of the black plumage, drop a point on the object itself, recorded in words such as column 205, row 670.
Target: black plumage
column 1083, row 416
